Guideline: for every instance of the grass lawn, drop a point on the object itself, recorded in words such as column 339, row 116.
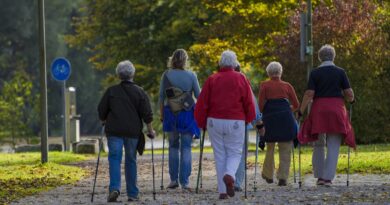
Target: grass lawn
column 22, row 174
column 367, row 159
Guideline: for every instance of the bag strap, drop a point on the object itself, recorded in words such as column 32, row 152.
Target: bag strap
column 131, row 102
column 167, row 83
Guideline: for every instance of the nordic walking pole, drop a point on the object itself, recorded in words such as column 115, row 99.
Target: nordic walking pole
column 295, row 180
column 200, row 160
column 154, row 186
column 201, row 181
column 299, row 166
column 350, row 120
column 162, row 166
column 256, row 159
column 246, row 160
column 97, row 163
column 299, row 160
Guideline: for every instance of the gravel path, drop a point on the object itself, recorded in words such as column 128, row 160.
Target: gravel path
column 363, row 189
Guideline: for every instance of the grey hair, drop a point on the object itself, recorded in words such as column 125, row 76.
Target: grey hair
column 228, row 59
column 125, row 70
column 274, row 69
column 326, row 53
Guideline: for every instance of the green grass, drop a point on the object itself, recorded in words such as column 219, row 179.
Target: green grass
column 22, row 174
column 367, row 159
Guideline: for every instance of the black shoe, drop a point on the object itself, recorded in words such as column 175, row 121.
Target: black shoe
column 269, row 181
column 112, row 196
column 282, row 182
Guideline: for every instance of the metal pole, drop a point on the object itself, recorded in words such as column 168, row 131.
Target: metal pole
column 246, row 161
column 295, row 178
column 98, row 160
column 43, row 82
column 309, row 49
column 64, row 114
column 200, row 161
column 154, row 186
column 349, row 150
column 256, row 159
column 162, row 164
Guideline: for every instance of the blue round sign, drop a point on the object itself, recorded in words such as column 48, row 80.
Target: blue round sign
column 60, row 69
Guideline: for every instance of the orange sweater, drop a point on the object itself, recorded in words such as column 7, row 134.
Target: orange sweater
column 276, row 89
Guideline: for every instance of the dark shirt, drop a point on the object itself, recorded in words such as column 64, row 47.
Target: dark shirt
column 123, row 112
column 328, row 81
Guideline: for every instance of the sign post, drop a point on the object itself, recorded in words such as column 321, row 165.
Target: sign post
column 60, row 70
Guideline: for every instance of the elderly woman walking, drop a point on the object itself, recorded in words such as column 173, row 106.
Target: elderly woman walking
column 277, row 101
column 327, row 123
column 123, row 108
column 178, row 119
column 224, row 106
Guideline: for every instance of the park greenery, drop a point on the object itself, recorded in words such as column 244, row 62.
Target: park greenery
column 22, row 174
column 96, row 35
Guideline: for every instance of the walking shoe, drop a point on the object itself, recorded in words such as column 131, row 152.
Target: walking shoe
column 269, row 181
column 282, row 182
column 229, row 182
column 237, row 189
column 133, row 198
column 186, row 188
column 112, row 196
column 320, row 182
column 173, row 185
column 223, row 196
column 327, row 183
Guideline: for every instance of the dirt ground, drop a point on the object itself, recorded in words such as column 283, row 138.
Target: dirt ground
column 363, row 189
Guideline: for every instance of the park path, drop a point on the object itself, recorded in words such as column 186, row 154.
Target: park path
column 363, row 189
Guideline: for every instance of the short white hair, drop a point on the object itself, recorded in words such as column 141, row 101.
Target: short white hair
column 125, row 70
column 228, row 59
column 326, row 53
column 274, row 69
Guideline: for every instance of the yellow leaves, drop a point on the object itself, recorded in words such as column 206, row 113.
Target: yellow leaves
column 22, row 174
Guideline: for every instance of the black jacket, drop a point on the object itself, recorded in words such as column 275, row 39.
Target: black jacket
column 123, row 112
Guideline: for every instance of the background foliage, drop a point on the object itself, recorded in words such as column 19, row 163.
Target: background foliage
column 101, row 33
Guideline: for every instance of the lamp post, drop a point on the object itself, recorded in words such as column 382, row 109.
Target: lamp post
column 309, row 49
column 43, row 82
column 306, row 39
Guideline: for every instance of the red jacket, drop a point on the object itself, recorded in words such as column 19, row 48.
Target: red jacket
column 226, row 94
column 327, row 115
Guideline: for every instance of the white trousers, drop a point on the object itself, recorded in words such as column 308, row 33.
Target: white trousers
column 227, row 140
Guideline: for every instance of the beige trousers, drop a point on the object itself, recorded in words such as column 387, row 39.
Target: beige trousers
column 284, row 160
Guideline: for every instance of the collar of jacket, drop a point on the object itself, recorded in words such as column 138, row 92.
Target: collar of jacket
column 127, row 82
column 326, row 63
column 226, row 69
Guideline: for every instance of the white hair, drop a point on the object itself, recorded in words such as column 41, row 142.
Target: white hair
column 125, row 70
column 326, row 53
column 274, row 69
column 228, row 59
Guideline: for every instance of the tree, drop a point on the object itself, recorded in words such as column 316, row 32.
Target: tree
column 146, row 32
column 19, row 53
column 355, row 29
column 18, row 108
